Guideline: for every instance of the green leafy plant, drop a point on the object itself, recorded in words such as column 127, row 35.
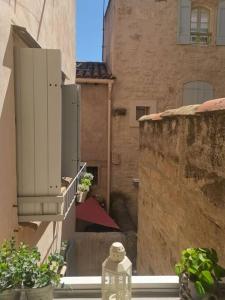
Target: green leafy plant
column 20, row 267
column 85, row 182
column 201, row 267
column 88, row 176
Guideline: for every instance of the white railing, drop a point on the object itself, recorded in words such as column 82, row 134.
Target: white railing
column 49, row 208
column 70, row 194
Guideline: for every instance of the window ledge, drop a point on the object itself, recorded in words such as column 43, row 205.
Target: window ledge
column 138, row 282
column 142, row 286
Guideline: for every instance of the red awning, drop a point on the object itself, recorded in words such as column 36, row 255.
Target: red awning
column 92, row 212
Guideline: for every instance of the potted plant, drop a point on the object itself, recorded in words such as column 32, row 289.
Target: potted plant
column 84, row 186
column 200, row 266
column 7, row 280
column 21, row 273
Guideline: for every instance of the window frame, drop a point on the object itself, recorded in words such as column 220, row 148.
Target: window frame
column 151, row 104
column 198, row 34
column 146, row 111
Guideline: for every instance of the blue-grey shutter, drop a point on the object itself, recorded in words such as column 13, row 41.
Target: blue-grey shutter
column 220, row 38
column 69, row 130
column 184, row 22
column 197, row 92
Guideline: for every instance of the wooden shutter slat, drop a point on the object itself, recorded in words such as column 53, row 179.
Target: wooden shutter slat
column 54, row 121
column 184, row 22
column 25, row 122
column 220, row 39
column 40, row 120
column 69, row 131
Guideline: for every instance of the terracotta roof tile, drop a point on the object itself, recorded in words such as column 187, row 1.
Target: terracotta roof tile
column 181, row 111
column 190, row 110
column 212, row 105
column 152, row 117
column 96, row 70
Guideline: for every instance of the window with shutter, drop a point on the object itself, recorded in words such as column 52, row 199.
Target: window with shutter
column 220, row 38
column 38, row 121
column 42, row 194
column 200, row 25
column 197, row 92
column 184, row 22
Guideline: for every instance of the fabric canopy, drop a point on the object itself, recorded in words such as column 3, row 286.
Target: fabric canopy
column 92, row 212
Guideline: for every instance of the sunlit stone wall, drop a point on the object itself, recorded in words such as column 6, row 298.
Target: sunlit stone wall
column 182, row 185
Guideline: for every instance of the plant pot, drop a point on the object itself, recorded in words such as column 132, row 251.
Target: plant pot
column 82, row 196
column 10, row 295
column 195, row 296
column 45, row 293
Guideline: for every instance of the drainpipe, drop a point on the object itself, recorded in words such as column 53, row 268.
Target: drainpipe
column 109, row 144
column 109, row 82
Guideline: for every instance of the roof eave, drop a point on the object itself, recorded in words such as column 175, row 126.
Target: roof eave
column 94, row 80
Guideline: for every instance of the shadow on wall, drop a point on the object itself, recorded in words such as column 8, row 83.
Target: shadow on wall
column 8, row 213
column 44, row 235
column 89, row 249
column 119, row 211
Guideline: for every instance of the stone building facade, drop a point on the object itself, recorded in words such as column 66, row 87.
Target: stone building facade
column 29, row 24
column 182, row 179
column 163, row 54
column 95, row 81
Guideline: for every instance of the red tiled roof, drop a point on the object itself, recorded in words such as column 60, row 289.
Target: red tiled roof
column 96, row 70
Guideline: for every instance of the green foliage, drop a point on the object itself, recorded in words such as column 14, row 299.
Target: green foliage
column 85, row 182
column 20, row 267
column 88, row 176
column 201, row 267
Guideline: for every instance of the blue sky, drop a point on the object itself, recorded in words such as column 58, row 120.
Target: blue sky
column 89, row 29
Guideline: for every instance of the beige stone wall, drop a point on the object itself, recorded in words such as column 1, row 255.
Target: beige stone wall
column 109, row 33
column 51, row 23
column 181, row 198
column 150, row 66
column 94, row 126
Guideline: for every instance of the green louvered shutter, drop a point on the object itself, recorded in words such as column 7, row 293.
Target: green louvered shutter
column 184, row 22
column 220, row 38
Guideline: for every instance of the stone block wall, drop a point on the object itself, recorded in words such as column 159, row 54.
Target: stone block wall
column 141, row 50
column 182, row 185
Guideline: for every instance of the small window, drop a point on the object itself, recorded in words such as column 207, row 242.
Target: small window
column 94, row 172
column 142, row 111
column 200, row 25
column 139, row 109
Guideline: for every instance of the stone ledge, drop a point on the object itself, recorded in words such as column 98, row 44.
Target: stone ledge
column 190, row 110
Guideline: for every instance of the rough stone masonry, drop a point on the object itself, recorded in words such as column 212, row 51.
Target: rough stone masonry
column 182, row 185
